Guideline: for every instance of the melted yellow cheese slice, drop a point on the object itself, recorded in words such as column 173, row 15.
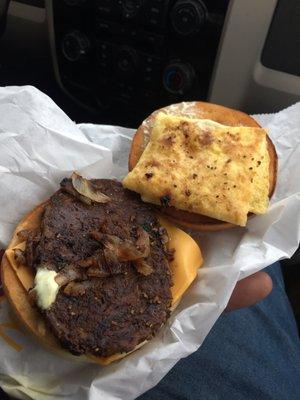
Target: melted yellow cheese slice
column 204, row 167
column 187, row 259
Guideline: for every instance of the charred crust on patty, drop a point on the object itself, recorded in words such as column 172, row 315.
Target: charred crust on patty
column 165, row 200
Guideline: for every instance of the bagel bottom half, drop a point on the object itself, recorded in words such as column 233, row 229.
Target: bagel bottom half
column 18, row 279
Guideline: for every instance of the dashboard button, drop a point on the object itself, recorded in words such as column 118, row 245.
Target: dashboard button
column 188, row 16
column 178, row 78
column 75, row 45
column 108, row 27
column 150, row 38
column 127, row 61
column 131, row 8
column 109, row 8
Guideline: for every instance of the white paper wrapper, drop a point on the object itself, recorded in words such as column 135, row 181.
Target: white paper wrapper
column 39, row 145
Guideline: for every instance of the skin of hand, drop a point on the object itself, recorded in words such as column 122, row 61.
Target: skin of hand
column 250, row 291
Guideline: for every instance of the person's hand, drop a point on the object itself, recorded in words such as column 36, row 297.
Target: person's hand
column 250, row 290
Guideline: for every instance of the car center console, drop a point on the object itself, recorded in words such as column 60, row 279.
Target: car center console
column 258, row 66
column 134, row 55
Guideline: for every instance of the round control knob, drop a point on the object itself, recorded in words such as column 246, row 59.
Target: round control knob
column 127, row 60
column 178, row 78
column 75, row 45
column 188, row 16
column 131, row 8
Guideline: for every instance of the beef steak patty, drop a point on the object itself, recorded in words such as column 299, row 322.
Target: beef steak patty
column 104, row 306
